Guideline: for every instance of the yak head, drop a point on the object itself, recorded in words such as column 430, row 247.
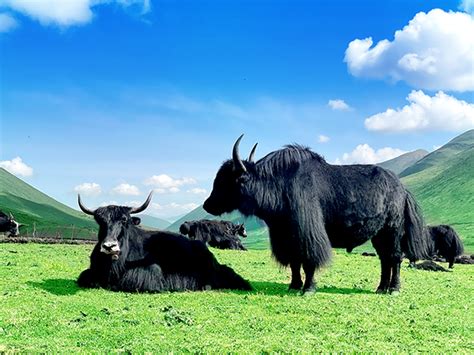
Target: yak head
column 115, row 225
column 184, row 228
column 239, row 229
column 233, row 174
column 12, row 226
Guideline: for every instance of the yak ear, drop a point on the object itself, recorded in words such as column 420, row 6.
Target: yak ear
column 136, row 221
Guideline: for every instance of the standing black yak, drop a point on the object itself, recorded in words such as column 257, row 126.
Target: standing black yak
column 218, row 234
column 8, row 225
column 127, row 258
column 445, row 242
column 310, row 205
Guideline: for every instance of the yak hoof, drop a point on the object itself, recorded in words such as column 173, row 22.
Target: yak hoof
column 295, row 286
column 207, row 288
column 381, row 291
column 309, row 291
column 394, row 292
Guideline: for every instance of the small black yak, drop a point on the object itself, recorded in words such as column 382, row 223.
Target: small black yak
column 311, row 206
column 218, row 234
column 445, row 242
column 126, row 258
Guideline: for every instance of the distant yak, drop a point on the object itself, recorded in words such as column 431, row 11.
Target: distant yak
column 126, row 258
column 311, row 206
column 444, row 242
column 8, row 225
column 218, row 234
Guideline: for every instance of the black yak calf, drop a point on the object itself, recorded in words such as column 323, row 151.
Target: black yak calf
column 126, row 258
column 218, row 234
column 310, row 206
column 444, row 242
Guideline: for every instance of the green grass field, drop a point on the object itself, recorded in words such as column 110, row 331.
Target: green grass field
column 42, row 310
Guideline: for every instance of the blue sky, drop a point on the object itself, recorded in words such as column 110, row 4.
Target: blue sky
column 115, row 98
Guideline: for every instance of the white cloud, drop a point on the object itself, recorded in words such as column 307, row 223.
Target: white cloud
column 323, row 139
column 440, row 112
column 166, row 184
column 7, row 22
column 126, row 189
column 88, row 189
column 167, row 210
column 365, row 154
column 17, row 167
column 434, row 51
column 339, row 105
column 467, row 6
column 67, row 12
column 197, row 191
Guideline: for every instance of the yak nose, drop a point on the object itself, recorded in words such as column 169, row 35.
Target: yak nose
column 110, row 245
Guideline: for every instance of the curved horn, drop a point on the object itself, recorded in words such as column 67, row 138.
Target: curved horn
column 144, row 206
column 252, row 153
column 83, row 208
column 235, row 156
column 11, row 216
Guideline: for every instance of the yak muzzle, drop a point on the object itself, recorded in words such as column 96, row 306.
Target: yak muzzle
column 111, row 248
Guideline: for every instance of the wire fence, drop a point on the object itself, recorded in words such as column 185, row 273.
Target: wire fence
column 67, row 234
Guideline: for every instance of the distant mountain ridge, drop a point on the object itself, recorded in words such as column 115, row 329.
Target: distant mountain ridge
column 402, row 162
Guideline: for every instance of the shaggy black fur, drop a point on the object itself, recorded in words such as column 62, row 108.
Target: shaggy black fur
column 218, row 234
column 8, row 225
column 311, row 206
column 126, row 258
column 444, row 242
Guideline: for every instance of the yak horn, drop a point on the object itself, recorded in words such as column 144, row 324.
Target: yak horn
column 144, row 206
column 252, row 153
column 11, row 216
column 83, row 208
column 235, row 156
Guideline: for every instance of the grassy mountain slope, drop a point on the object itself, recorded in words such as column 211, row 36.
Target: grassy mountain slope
column 32, row 207
column 398, row 164
column 153, row 222
column 445, row 192
column 443, row 155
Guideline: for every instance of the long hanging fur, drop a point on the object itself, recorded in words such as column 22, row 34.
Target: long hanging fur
column 416, row 240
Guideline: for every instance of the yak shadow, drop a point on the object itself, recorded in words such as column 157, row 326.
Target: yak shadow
column 58, row 287
column 280, row 289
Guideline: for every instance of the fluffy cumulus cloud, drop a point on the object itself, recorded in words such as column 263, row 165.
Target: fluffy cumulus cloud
column 339, row 105
column 88, row 189
column 434, row 51
column 323, row 139
column 365, row 154
column 467, row 6
column 66, row 12
column 166, row 184
column 126, row 189
column 7, row 22
column 424, row 112
column 166, row 210
column 17, row 167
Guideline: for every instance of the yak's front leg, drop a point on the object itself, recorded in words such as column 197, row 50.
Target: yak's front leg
column 87, row 280
column 394, row 288
column 296, row 281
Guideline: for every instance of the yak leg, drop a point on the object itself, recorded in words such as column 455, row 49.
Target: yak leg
column 296, row 282
column 309, row 284
column 386, row 271
column 395, row 281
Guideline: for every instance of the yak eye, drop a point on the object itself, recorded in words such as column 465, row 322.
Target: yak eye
column 124, row 219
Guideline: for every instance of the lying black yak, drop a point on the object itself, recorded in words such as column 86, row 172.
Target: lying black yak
column 218, row 234
column 444, row 242
column 126, row 258
column 311, row 206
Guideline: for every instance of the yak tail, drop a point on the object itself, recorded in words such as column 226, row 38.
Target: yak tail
column 416, row 242
column 228, row 279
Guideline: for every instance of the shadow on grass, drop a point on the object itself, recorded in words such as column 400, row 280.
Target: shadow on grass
column 59, row 287
column 279, row 289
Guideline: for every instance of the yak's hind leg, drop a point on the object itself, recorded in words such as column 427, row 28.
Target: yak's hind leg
column 296, row 282
column 387, row 245
column 309, row 284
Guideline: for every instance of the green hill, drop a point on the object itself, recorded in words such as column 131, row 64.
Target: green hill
column 37, row 210
column 153, row 222
column 442, row 156
column 398, row 164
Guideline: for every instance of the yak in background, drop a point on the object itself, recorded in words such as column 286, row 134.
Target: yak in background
column 311, row 206
column 127, row 258
column 445, row 242
column 218, row 234
column 8, row 225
